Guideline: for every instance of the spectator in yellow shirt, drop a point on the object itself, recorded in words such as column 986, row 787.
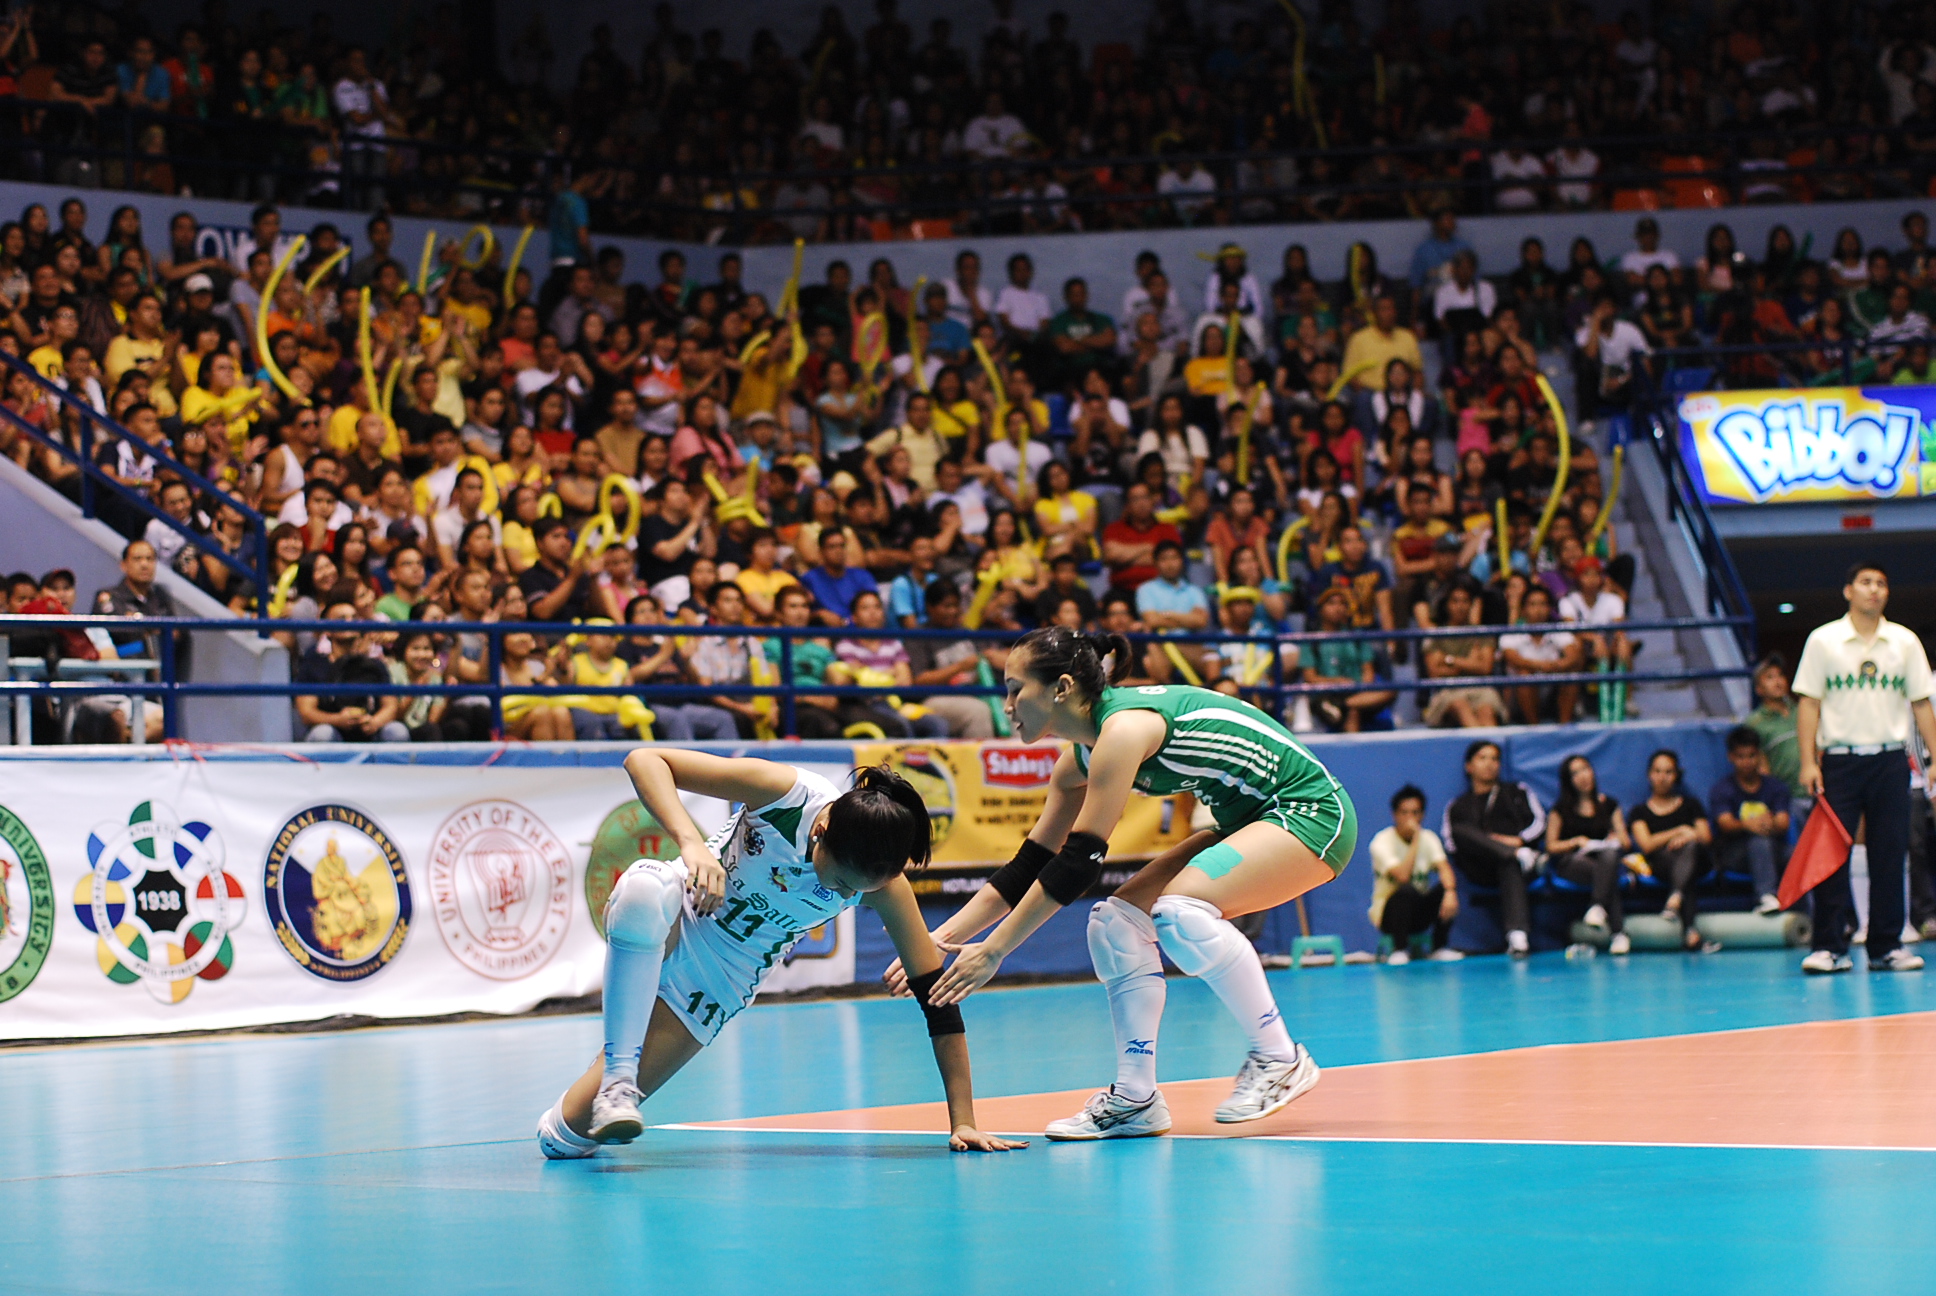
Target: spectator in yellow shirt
column 146, row 346
column 1377, row 344
column 342, row 425
column 222, row 393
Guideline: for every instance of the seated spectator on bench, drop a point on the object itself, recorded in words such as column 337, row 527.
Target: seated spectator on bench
column 595, row 716
column 1670, row 829
column 1586, row 839
column 877, row 662
column 655, row 662
column 1751, row 815
column 1595, row 604
column 1491, row 829
column 1351, row 664
column 1454, row 655
column 950, row 662
column 1539, row 653
column 1413, row 887
column 1167, row 603
column 343, row 717
column 731, row 660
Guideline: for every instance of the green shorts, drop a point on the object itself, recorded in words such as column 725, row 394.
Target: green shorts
column 1328, row 825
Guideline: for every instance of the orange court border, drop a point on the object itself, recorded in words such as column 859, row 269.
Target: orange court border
column 1848, row 1084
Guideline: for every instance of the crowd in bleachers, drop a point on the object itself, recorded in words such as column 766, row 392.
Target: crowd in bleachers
column 1237, row 455
column 860, row 133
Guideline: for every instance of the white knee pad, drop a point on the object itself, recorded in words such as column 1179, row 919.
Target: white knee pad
column 645, row 903
column 1122, row 941
column 1195, row 934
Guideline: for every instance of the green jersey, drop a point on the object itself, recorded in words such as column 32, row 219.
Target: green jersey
column 1241, row 763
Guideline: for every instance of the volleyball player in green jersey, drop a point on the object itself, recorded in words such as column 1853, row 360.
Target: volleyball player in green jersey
column 1284, row 826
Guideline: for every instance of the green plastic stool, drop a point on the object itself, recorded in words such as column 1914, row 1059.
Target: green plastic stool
column 1332, row 945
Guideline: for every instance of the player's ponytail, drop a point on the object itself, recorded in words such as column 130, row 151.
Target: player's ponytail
column 880, row 827
column 1093, row 661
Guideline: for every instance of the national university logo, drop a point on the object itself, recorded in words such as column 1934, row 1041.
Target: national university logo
column 26, row 906
column 337, row 892
column 500, row 885
column 159, row 903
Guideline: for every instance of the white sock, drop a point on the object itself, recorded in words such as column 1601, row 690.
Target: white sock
column 631, row 987
column 554, row 1121
column 1122, row 945
column 1202, row 942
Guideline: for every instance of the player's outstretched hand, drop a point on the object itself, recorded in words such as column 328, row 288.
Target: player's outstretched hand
column 707, row 879
column 895, row 978
column 967, row 1138
column 974, row 967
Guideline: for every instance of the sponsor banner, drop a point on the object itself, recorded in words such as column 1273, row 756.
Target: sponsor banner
column 146, row 895
column 984, row 797
column 1849, row 444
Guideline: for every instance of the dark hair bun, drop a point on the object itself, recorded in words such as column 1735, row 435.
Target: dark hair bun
column 880, row 827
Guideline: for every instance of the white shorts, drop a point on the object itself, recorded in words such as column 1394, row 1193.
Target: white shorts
column 709, row 976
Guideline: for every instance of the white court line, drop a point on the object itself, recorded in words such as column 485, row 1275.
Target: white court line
column 1320, row 1138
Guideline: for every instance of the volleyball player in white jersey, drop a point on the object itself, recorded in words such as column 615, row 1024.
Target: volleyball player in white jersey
column 689, row 939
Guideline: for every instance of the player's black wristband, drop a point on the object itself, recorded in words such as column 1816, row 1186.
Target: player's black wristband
column 941, row 1021
column 1075, row 868
column 1013, row 878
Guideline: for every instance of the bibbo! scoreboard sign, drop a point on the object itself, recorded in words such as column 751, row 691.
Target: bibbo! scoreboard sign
column 1802, row 445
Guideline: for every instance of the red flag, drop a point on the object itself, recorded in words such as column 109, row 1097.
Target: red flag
column 1823, row 848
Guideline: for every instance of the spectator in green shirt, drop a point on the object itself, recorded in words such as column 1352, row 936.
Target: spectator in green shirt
column 1083, row 339
column 1351, row 664
column 1774, row 720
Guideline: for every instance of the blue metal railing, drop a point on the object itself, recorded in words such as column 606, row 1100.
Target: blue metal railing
column 1656, row 419
column 95, row 479
column 1272, row 691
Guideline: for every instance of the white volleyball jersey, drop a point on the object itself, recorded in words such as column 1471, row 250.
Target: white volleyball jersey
column 772, row 894
column 772, row 900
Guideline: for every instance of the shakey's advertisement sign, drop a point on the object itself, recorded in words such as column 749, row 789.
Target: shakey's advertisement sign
column 1842, row 444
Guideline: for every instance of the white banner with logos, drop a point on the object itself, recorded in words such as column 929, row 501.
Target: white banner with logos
column 150, row 896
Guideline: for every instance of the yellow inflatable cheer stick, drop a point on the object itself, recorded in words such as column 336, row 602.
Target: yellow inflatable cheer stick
column 363, row 352
column 1344, row 379
column 1284, row 543
column 1499, row 533
column 985, row 587
column 1177, row 660
column 1613, row 493
column 390, row 386
column 790, row 293
column 917, row 349
column 517, row 255
column 549, row 505
column 1243, row 448
column 423, row 262
column 276, row 375
column 1565, row 464
column 284, row 583
column 759, row 340
column 485, row 248
column 321, row 272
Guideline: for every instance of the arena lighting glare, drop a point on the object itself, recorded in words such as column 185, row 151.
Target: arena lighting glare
column 1785, row 608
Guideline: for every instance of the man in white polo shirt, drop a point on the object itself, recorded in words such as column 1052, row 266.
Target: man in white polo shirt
column 1860, row 680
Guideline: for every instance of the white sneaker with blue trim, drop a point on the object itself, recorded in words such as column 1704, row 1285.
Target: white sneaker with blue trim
column 1108, row 1114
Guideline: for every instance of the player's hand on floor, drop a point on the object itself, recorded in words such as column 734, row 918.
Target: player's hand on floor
column 974, row 966
column 967, row 1138
column 707, row 879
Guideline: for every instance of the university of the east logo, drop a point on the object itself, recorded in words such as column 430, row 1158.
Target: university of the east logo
column 1017, row 767
column 337, row 893
column 1787, row 443
column 158, row 902
column 500, row 885
column 26, row 906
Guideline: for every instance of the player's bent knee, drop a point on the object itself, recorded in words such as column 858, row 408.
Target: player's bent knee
column 1194, row 934
column 645, row 903
column 1122, row 941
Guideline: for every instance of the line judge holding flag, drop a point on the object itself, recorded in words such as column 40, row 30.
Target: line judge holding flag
column 1860, row 679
